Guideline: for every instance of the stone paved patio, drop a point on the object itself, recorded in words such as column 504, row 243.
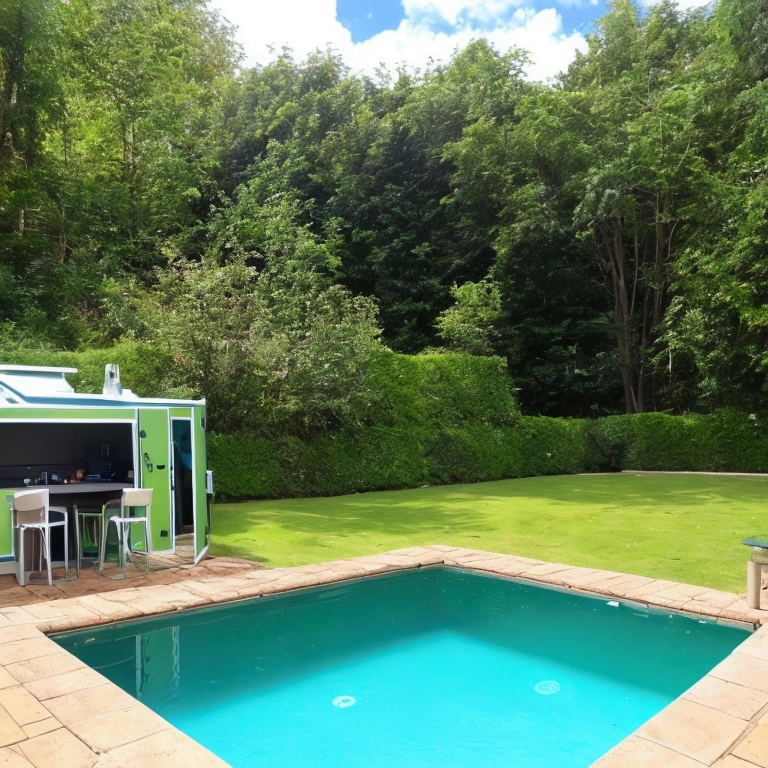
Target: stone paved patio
column 55, row 711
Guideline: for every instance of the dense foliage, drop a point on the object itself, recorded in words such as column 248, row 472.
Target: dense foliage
column 429, row 453
column 262, row 235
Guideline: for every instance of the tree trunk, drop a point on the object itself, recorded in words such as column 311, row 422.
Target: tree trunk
column 616, row 263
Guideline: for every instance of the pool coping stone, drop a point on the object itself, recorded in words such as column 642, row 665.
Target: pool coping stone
column 54, row 710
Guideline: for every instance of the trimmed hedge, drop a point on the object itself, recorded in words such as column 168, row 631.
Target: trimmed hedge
column 386, row 458
column 381, row 458
column 725, row 441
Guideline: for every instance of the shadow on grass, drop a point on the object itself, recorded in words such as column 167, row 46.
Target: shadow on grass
column 679, row 527
column 462, row 508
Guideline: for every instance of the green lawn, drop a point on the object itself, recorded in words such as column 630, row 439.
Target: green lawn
column 681, row 527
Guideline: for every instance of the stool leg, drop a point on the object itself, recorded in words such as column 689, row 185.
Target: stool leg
column 146, row 547
column 66, row 548
column 123, row 535
column 21, row 575
column 754, row 573
column 78, row 544
column 47, row 542
column 126, row 534
column 103, row 547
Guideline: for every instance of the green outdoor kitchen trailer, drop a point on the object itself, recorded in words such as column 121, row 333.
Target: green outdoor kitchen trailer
column 86, row 448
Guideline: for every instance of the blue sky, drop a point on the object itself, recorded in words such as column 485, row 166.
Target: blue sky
column 412, row 33
column 366, row 18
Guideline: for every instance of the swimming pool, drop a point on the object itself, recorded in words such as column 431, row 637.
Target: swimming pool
column 418, row 668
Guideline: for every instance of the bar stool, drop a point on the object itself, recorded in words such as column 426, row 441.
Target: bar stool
column 85, row 518
column 32, row 512
column 119, row 512
column 757, row 561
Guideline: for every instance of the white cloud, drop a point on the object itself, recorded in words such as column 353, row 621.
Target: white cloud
column 683, row 5
column 458, row 12
column 431, row 29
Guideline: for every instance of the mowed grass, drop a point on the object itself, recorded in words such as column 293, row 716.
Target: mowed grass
column 680, row 527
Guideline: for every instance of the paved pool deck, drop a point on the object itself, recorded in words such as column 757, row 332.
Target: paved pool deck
column 55, row 711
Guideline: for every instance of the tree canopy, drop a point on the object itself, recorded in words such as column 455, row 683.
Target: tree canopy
column 605, row 233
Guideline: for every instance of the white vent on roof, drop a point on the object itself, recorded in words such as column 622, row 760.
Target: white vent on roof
column 112, row 386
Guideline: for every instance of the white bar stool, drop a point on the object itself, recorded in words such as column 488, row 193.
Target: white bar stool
column 32, row 512
column 119, row 513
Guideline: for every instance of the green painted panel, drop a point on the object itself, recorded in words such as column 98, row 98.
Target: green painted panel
column 181, row 413
column 202, row 531
column 155, row 463
column 6, row 523
column 79, row 414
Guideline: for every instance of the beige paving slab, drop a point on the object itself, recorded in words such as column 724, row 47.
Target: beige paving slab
column 652, row 587
column 11, row 759
column 622, row 587
column 718, row 599
column 635, row 752
column 511, row 569
column 44, row 666
column 108, row 608
column 372, row 568
column 484, row 559
column 73, row 708
column 19, row 650
column 733, row 699
column 59, row 608
column 598, row 579
column 40, row 727
column 731, row 761
column 161, row 599
column 10, row 731
column 683, row 592
column 748, row 671
column 702, row 608
column 20, row 632
column 58, row 748
column 67, row 682
column 545, row 569
column 167, row 749
column 754, row 747
column 663, row 602
column 180, row 597
column 7, row 680
column 415, row 552
column 579, row 576
column 15, row 615
column 740, row 609
column 116, row 729
column 23, row 707
column 693, row 730
column 756, row 644
column 459, row 552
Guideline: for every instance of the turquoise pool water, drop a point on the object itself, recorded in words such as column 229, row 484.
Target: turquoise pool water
column 435, row 667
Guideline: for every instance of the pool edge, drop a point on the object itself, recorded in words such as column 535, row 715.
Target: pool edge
column 707, row 725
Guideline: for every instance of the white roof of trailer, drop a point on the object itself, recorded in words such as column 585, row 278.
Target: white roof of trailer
column 29, row 381
column 46, row 386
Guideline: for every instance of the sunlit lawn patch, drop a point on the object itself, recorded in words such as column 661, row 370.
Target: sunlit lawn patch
column 680, row 527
